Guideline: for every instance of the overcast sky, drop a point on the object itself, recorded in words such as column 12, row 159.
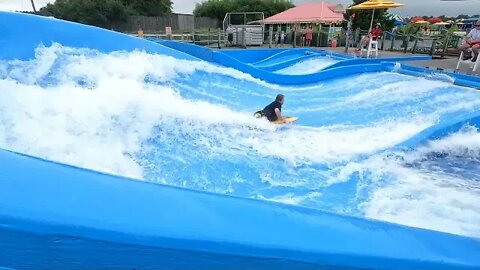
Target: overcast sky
column 412, row 7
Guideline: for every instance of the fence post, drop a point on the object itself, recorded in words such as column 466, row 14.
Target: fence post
column 406, row 39
column 294, row 39
column 383, row 40
column 393, row 41
column 445, row 46
column 434, row 44
column 208, row 38
column 270, row 36
column 244, row 38
column 318, row 36
column 218, row 39
column 415, row 45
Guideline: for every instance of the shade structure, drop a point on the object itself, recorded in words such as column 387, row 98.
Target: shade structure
column 442, row 23
column 422, row 22
column 375, row 4
column 320, row 12
column 434, row 20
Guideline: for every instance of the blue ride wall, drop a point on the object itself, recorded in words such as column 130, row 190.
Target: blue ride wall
column 58, row 216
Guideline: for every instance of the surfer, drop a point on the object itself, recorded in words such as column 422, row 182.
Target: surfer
column 273, row 111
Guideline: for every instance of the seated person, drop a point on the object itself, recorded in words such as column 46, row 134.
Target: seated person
column 273, row 111
column 374, row 34
column 472, row 40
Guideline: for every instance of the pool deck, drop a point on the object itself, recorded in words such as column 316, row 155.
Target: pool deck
column 449, row 63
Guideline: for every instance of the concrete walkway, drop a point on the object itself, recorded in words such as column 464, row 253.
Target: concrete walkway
column 449, row 63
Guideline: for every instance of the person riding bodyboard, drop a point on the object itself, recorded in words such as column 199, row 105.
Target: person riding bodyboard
column 273, row 111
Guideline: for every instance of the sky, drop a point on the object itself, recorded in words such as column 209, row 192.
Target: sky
column 412, row 7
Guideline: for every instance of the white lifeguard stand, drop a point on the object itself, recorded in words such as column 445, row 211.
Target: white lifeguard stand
column 372, row 47
column 473, row 65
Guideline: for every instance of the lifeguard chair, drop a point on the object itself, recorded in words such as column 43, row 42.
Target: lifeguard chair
column 473, row 65
column 372, row 47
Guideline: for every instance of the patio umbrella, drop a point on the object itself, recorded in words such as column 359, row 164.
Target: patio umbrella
column 375, row 4
column 421, row 22
column 442, row 23
column 416, row 19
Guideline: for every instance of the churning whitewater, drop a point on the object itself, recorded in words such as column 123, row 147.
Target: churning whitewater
column 190, row 124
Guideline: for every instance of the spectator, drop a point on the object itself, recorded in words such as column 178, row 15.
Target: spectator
column 309, row 35
column 374, row 34
column 472, row 41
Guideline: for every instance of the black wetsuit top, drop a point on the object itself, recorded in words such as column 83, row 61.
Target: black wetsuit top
column 269, row 111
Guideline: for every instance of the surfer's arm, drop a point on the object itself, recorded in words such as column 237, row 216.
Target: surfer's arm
column 279, row 114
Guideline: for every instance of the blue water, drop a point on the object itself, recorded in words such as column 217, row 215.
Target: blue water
column 190, row 124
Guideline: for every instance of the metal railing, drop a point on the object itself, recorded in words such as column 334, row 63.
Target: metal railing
column 438, row 45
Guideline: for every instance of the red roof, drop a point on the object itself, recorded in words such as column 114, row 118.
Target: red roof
column 434, row 20
column 309, row 12
column 416, row 19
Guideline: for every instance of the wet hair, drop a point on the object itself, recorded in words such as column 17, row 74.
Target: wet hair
column 279, row 97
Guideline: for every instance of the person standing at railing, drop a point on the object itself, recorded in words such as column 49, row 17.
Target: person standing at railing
column 472, row 41
column 282, row 38
column 309, row 35
column 293, row 29
column 140, row 33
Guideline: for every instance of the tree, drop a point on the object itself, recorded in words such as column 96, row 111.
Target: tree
column 218, row 8
column 105, row 13
column 150, row 7
column 363, row 17
column 463, row 16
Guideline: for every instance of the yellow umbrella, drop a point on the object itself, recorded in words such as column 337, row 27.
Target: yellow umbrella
column 422, row 22
column 375, row 4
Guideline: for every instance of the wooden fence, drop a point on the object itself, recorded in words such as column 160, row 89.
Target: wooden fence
column 178, row 23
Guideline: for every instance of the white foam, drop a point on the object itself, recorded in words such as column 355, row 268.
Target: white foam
column 426, row 196
column 291, row 198
column 98, row 111
column 309, row 66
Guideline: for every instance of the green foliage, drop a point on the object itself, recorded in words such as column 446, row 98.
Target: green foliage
column 218, row 8
column 105, row 13
column 409, row 29
column 150, row 7
column 451, row 30
column 363, row 17
column 463, row 16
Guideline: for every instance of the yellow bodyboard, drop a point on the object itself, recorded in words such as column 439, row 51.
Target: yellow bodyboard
column 286, row 120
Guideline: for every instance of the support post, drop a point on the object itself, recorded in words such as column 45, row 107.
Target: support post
column 406, row 39
column 244, row 38
column 270, row 36
column 33, row 6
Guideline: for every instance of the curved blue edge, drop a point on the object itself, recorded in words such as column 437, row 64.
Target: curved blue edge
column 224, row 58
column 53, row 214
column 253, row 64
column 21, row 33
column 51, row 198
